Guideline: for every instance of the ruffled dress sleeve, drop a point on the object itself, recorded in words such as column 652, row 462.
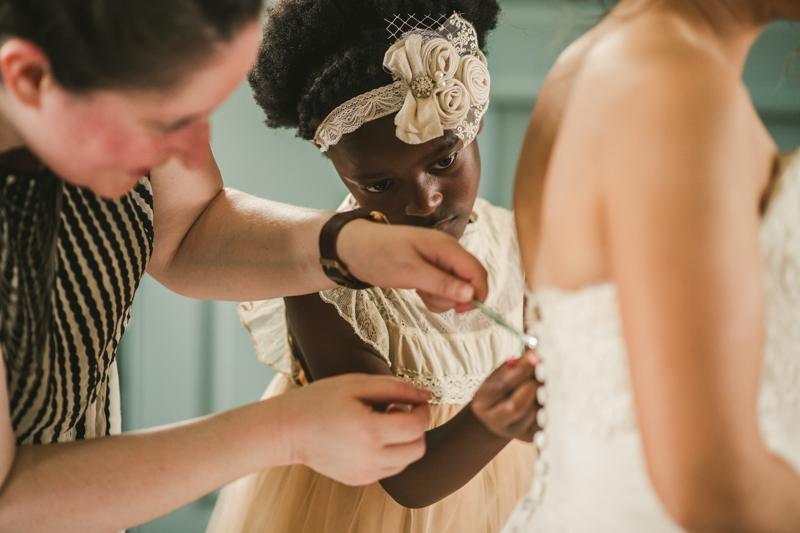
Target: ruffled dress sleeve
column 266, row 322
column 361, row 310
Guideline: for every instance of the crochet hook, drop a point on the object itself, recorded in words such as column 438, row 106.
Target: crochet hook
column 527, row 340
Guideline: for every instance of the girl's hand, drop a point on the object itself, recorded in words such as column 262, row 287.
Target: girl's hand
column 506, row 403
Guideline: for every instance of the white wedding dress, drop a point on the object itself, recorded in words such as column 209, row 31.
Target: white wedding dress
column 591, row 475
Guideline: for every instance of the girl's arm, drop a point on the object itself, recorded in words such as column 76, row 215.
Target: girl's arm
column 681, row 165
column 503, row 408
column 113, row 483
column 456, row 451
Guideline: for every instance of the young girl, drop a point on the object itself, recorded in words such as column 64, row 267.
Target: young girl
column 399, row 127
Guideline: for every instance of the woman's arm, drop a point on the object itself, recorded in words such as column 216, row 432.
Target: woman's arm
column 455, row 451
column 221, row 244
column 112, row 483
column 681, row 165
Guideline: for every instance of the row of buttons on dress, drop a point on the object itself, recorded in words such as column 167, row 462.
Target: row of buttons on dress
column 540, row 438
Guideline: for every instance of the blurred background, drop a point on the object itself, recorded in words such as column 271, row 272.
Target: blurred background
column 183, row 358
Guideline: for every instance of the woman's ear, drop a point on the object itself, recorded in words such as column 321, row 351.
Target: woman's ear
column 25, row 70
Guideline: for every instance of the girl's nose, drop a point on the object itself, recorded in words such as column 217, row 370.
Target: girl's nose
column 425, row 201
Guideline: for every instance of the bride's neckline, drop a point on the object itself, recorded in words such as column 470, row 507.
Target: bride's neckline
column 597, row 286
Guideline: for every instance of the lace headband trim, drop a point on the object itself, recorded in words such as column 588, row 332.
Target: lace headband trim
column 441, row 82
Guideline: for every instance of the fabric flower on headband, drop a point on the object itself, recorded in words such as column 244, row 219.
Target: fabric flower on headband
column 441, row 83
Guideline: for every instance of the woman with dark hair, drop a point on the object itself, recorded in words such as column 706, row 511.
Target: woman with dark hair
column 94, row 95
column 658, row 225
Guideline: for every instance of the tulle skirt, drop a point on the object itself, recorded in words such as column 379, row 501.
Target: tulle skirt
column 296, row 499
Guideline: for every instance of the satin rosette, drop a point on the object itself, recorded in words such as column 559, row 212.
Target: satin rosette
column 474, row 74
column 440, row 86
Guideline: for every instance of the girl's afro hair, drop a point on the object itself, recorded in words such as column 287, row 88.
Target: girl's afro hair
column 317, row 54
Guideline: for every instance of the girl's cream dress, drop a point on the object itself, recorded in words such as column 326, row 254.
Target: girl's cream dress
column 448, row 354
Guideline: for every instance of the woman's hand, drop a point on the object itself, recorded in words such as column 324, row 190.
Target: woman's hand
column 336, row 432
column 405, row 257
column 329, row 425
column 507, row 403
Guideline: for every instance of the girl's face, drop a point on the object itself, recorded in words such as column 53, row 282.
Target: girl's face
column 433, row 184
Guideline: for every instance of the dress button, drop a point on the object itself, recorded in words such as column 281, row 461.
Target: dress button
column 541, row 395
column 537, row 489
column 540, row 439
column 541, row 417
column 541, row 372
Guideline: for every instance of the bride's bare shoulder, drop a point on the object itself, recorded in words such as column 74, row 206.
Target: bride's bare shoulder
column 657, row 48
column 653, row 89
column 650, row 68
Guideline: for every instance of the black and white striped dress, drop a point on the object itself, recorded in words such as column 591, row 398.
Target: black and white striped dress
column 70, row 262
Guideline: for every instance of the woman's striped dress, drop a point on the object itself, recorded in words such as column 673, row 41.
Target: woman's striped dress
column 70, row 262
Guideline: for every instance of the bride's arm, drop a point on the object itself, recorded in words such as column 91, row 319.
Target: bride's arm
column 678, row 163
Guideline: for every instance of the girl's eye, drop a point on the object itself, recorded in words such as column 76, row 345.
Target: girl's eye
column 377, row 187
column 447, row 161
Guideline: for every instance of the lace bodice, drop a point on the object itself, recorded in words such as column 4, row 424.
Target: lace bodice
column 591, row 472
column 448, row 354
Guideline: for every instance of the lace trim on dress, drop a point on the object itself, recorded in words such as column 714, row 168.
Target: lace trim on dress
column 358, row 309
column 446, row 389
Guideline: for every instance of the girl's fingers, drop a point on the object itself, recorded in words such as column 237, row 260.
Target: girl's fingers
column 517, row 406
column 532, row 358
column 504, row 381
column 526, row 427
column 435, row 303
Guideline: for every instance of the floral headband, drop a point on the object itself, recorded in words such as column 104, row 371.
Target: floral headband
column 441, row 83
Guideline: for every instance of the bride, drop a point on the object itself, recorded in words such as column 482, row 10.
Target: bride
column 660, row 232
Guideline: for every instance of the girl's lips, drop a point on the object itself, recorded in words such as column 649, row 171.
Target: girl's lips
column 444, row 224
